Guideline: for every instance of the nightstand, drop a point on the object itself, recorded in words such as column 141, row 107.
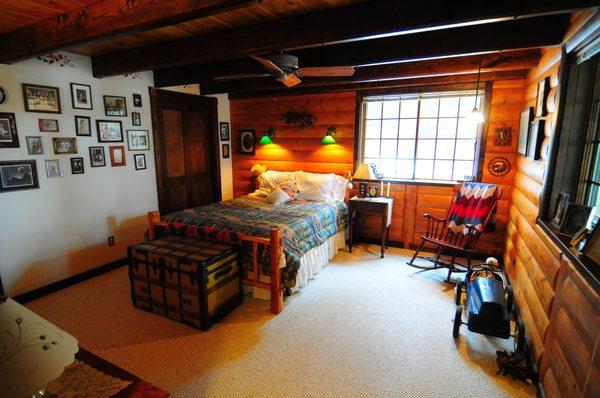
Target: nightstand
column 381, row 206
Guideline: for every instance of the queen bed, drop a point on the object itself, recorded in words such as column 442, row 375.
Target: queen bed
column 284, row 243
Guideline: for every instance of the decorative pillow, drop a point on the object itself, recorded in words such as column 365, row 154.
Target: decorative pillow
column 278, row 196
column 272, row 178
column 290, row 187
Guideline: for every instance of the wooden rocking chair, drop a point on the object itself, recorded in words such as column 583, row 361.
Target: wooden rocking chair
column 455, row 241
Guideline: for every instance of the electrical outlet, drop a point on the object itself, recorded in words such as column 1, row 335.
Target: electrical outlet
column 111, row 240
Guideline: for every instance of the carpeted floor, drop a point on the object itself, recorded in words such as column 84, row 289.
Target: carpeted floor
column 365, row 327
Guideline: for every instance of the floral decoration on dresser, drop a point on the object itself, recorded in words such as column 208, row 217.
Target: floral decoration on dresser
column 56, row 58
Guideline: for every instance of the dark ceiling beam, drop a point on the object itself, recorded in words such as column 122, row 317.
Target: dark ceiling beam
column 511, row 35
column 424, row 84
column 340, row 24
column 105, row 18
column 496, row 62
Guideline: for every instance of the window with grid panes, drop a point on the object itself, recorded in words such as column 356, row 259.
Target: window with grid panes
column 424, row 136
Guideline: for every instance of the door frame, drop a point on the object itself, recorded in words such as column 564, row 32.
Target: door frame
column 160, row 150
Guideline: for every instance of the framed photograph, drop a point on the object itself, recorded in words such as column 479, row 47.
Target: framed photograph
column 109, row 131
column 34, row 145
column 536, row 137
column 53, row 168
column 247, row 141
column 97, row 158
column 524, row 126
column 18, row 174
column 138, row 140
column 117, row 156
column 77, row 166
column 114, row 106
column 137, row 100
column 559, row 211
column 48, row 125
column 224, row 128
column 9, row 138
column 575, row 217
column 225, row 150
column 44, row 99
column 140, row 161
column 136, row 119
column 542, row 95
column 591, row 249
column 81, row 96
column 64, row 145
column 83, row 126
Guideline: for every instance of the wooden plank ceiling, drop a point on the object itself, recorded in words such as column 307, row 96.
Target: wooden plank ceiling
column 187, row 41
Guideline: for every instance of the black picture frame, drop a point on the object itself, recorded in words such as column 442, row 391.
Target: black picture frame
column 524, row 128
column 138, row 144
column 536, row 137
column 247, row 142
column 9, row 136
column 29, row 98
column 77, row 166
column 101, row 126
column 224, row 131
column 575, row 217
column 541, row 97
column 97, row 156
column 81, row 95
column 78, row 126
column 136, row 119
column 225, row 151
column 17, row 175
column 562, row 201
column 136, row 161
column 119, row 109
column 137, row 100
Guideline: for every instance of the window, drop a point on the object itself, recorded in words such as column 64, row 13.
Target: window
column 421, row 136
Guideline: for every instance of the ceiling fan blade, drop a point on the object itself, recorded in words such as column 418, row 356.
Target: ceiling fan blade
column 267, row 64
column 289, row 79
column 241, row 76
column 326, row 71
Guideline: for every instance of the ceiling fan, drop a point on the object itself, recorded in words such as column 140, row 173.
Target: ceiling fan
column 284, row 68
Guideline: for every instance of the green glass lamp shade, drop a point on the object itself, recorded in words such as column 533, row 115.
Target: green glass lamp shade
column 327, row 140
column 265, row 140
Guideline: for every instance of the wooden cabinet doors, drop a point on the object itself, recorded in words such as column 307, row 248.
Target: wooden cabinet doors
column 186, row 150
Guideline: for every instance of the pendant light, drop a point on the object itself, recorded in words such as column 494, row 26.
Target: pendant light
column 476, row 115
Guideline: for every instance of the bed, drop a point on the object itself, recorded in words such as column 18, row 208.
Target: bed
column 283, row 245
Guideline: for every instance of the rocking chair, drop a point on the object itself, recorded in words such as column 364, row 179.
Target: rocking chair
column 456, row 235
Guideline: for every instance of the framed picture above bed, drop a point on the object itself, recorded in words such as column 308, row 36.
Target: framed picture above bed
column 247, row 142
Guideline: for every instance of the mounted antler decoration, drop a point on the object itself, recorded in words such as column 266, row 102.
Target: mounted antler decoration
column 302, row 119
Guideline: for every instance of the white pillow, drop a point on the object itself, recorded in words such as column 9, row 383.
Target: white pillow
column 271, row 178
column 340, row 185
column 278, row 196
column 316, row 187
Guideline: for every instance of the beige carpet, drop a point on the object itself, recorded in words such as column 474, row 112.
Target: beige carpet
column 365, row 327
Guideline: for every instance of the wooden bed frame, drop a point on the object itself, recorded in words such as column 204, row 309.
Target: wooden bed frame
column 274, row 242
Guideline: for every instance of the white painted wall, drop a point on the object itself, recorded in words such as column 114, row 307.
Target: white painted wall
column 61, row 229
column 226, row 167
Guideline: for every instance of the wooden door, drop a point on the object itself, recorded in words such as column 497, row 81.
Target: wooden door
column 186, row 150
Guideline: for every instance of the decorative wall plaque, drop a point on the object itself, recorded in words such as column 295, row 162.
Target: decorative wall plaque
column 503, row 136
column 499, row 166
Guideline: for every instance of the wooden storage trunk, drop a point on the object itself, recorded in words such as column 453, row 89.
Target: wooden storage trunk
column 194, row 282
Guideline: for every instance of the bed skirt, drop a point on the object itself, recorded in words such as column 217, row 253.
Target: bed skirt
column 310, row 264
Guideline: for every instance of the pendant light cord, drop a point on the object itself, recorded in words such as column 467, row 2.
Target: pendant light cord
column 478, row 75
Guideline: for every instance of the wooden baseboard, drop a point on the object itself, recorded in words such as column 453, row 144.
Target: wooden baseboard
column 70, row 281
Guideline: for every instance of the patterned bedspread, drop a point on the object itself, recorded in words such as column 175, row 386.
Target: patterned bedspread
column 305, row 225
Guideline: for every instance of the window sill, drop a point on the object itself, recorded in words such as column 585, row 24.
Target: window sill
column 588, row 269
column 436, row 183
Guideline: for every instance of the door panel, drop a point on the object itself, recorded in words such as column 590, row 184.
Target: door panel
column 173, row 137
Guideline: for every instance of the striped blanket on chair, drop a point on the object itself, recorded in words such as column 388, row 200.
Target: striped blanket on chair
column 471, row 206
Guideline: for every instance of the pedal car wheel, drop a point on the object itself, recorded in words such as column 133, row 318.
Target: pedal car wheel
column 457, row 321
column 509, row 299
column 458, row 291
column 520, row 336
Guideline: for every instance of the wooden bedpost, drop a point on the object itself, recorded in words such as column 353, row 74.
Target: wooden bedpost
column 153, row 220
column 276, row 290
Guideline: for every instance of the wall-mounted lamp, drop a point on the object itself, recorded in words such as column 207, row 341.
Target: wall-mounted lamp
column 267, row 138
column 329, row 137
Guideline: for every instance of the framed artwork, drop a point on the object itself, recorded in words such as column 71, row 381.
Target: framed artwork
column 503, row 136
column 562, row 202
column 34, row 145
column 18, row 174
column 114, row 106
column 542, row 95
column 524, row 126
column 117, row 156
column 48, row 125
column 138, row 140
column 225, row 150
column 140, row 161
column 575, row 217
column 109, row 131
column 64, row 145
column 53, row 168
column 136, row 119
column 77, row 166
column 81, row 96
column 137, row 100
column 536, row 137
column 83, row 126
column 44, row 99
column 97, row 158
column 9, row 137
column 247, row 141
column 591, row 249
column 224, row 128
